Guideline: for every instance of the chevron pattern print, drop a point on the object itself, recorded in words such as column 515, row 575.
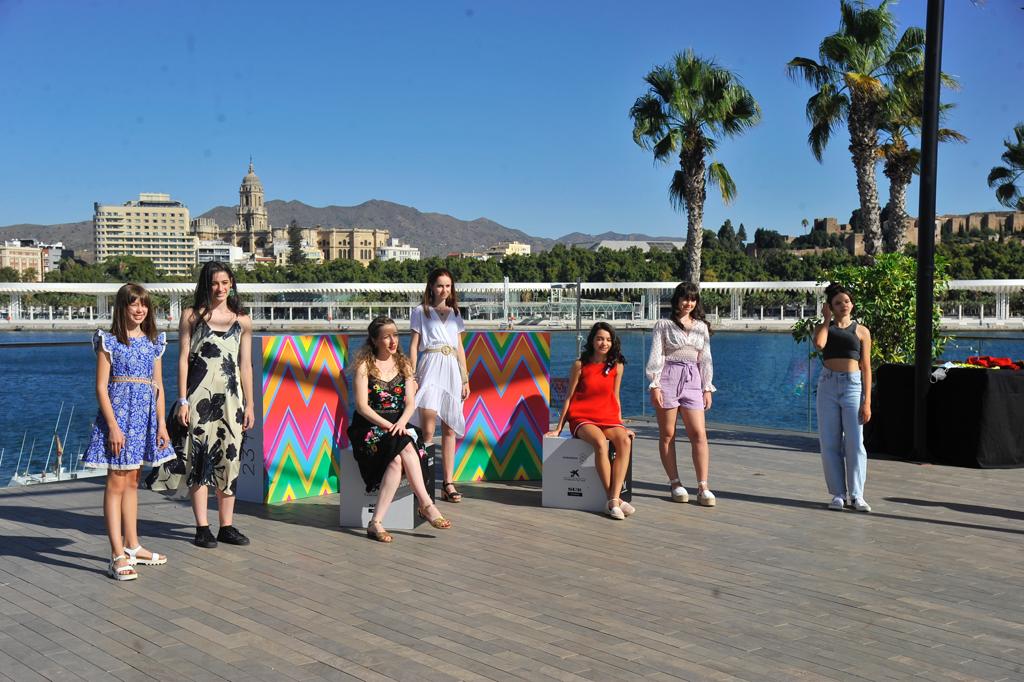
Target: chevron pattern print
column 507, row 410
column 305, row 414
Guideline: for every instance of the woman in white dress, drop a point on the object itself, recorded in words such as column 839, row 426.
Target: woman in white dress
column 440, row 364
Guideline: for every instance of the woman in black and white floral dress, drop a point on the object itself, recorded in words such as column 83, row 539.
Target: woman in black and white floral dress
column 215, row 380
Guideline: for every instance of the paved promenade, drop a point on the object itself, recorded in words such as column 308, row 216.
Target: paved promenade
column 767, row 586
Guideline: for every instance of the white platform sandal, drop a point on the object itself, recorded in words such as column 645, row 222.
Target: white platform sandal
column 154, row 560
column 121, row 573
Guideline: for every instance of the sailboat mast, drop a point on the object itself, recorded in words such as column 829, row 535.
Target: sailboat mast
column 53, row 438
column 20, row 452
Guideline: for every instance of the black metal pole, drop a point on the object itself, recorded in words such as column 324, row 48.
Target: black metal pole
column 926, row 224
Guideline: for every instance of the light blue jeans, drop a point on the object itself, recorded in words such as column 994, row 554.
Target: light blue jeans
column 841, row 435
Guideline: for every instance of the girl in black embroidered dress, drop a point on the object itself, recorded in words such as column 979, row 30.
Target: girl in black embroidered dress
column 383, row 443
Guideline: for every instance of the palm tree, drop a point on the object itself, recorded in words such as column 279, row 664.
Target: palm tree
column 902, row 120
column 691, row 103
column 1004, row 178
column 854, row 65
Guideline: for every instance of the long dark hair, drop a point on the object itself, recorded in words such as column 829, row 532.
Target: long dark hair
column 428, row 296
column 614, row 355
column 368, row 352
column 688, row 291
column 126, row 295
column 833, row 290
column 201, row 300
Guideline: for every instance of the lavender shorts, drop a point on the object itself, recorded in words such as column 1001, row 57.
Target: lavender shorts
column 681, row 386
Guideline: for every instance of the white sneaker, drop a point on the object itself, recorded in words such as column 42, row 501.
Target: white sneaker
column 615, row 511
column 627, row 508
column 836, row 504
column 861, row 505
column 677, row 491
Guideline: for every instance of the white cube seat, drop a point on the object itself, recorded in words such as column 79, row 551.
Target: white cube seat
column 357, row 505
column 570, row 477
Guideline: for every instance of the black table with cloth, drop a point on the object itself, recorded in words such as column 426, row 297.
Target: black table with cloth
column 975, row 416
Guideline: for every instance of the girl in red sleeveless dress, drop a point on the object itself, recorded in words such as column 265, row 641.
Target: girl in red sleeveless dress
column 594, row 413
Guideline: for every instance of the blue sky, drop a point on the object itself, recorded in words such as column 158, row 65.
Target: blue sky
column 515, row 111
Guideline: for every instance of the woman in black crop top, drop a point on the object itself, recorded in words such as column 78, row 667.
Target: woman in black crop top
column 844, row 399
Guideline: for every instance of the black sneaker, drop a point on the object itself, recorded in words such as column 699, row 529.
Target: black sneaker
column 232, row 536
column 204, row 538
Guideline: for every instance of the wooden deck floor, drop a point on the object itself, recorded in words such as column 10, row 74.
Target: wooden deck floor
column 767, row 586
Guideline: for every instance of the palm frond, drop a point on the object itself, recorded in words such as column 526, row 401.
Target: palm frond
column 825, row 111
column 648, row 120
column 811, row 72
column 1018, row 130
column 719, row 176
column 677, row 190
column 662, row 82
column 999, row 174
column 838, row 48
column 950, row 135
column 874, row 29
column 666, row 146
column 1009, row 195
column 742, row 112
column 1014, row 154
column 908, row 52
column 950, row 82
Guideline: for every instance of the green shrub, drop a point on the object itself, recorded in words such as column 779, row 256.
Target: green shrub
column 885, row 296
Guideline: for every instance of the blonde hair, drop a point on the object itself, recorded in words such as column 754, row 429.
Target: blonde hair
column 366, row 355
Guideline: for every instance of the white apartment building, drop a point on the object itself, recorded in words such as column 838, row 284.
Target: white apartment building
column 210, row 250
column 154, row 227
column 396, row 250
column 52, row 255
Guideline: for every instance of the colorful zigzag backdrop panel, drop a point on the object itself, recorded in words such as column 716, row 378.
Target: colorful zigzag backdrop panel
column 305, row 414
column 507, row 410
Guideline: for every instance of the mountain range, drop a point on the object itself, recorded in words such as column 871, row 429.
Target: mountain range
column 436, row 234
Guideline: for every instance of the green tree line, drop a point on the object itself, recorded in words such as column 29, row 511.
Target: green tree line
column 725, row 260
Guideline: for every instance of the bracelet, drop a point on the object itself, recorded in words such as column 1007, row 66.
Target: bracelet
column 182, row 402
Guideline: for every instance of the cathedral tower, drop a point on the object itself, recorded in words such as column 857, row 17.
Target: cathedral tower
column 251, row 223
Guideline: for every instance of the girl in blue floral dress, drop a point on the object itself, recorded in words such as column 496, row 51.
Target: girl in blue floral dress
column 129, row 431
column 383, row 443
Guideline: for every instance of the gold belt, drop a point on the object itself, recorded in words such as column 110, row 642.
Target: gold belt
column 443, row 350
column 131, row 380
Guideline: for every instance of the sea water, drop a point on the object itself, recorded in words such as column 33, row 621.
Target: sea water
column 763, row 379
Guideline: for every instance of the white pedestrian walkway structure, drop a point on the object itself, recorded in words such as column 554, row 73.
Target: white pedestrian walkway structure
column 994, row 303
